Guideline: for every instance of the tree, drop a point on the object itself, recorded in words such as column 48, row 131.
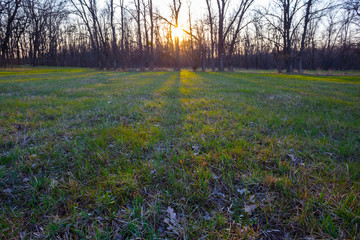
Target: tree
column 191, row 36
column 353, row 8
column 11, row 9
column 139, row 35
column 38, row 12
column 243, row 8
column 113, row 31
column 88, row 12
column 175, row 9
column 212, row 37
column 123, row 53
column 224, row 29
column 309, row 15
column 284, row 20
column 57, row 13
column 16, row 47
column 309, row 4
column 133, row 33
column 151, row 15
column 353, row 5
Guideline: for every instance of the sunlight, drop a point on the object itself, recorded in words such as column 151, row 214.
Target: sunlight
column 177, row 32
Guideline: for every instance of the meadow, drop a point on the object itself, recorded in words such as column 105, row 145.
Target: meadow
column 87, row 154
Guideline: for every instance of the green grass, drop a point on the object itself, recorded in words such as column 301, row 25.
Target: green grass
column 154, row 155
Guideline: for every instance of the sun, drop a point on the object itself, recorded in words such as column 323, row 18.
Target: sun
column 178, row 32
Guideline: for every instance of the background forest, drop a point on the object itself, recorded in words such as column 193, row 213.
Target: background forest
column 129, row 34
column 141, row 121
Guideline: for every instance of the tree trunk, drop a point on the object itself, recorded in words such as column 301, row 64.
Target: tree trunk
column 221, row 8
column 151, row 65
column 138, row 21
column 303, row 37
column 146, row 36
column 244, row 6
column 114, row 46
column 211, row 35
column 177, row 54
column 122, row 43
column 5, row 42
column 176, row 11
column 203, row 68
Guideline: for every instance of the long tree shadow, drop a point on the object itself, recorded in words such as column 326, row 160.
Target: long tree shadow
column 166, row 113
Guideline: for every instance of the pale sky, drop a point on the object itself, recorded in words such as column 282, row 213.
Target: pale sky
column 198, row 8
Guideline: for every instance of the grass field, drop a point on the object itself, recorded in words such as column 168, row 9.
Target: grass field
column 178, row 155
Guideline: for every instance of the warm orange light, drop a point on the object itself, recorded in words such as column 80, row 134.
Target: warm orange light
column 177, row 32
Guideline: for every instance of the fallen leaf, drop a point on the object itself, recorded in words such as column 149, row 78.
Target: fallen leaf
column 250, row 208
column 207, row 216
column 242, row 191
column 292, row 157
column 215, row 177
column 7, row 190
column 171, row 213
column 252, row 198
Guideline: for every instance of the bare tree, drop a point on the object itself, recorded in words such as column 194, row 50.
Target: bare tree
column 151, row 15
column 285, row 21
column 57, row 13
column 309, row 15
column 113, row 31
column 191, row 35
column 309, row 4
column 212, row 37
column 200, row 29
column 353, row 5
column 175, row 9
column 329, row 40
column 224, row 29
column 221, row 38
column 87, row 11
column 37, row 12
column 123, row 53
column 139, row 35
column 291, row 32
column 19, row 28
column 146, row 31
column 11, row 8
column 243, row 8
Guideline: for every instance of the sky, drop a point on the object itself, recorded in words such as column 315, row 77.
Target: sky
column 198, row 8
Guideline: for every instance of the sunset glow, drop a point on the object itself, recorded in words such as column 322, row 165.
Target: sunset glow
column 178, row 32
column 179, row 119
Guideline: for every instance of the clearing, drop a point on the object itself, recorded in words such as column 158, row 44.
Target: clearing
column 118, row 155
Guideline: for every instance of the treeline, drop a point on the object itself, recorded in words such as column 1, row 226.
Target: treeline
column 129, row 34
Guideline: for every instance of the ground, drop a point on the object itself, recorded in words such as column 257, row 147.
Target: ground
column 178, row 155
